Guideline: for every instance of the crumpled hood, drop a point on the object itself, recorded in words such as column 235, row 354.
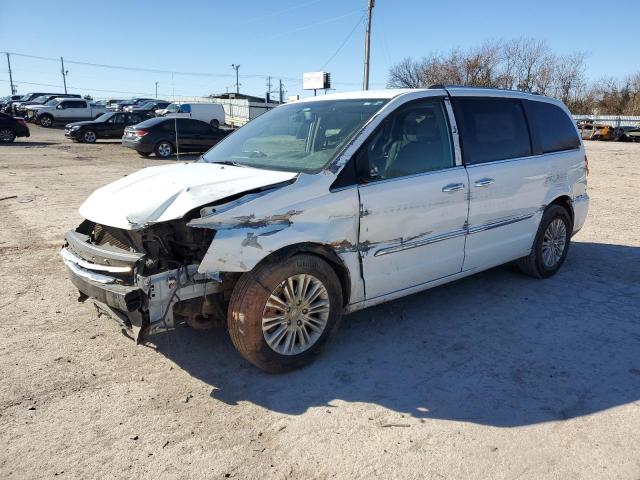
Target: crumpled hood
column 168, row 192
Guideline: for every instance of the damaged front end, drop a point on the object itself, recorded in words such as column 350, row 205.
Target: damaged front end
column 147, row 279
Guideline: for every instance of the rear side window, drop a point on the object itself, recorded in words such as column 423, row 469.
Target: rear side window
column 199, row 127
column 492, row 129
column 186, row 108
column 552, row 127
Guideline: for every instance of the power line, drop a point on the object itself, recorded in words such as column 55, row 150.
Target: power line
column 344, row 42
column 311, row 25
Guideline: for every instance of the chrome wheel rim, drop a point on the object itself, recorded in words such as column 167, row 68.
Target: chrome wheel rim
column 6, row 135
column 554, row 243
column 296, row 314
column 89, row 137
column 164, row 149
column 45, row 121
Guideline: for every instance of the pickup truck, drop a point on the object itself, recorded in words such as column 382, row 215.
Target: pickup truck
column 65, row 110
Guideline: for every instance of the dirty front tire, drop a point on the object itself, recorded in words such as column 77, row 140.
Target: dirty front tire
column 252, row 307
column 556, row 223
column 89, row 136
column 46, row 121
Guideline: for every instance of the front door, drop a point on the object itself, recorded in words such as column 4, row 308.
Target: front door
column 413, row 196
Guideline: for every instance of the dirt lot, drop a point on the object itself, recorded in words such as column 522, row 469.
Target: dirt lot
column 495, row 376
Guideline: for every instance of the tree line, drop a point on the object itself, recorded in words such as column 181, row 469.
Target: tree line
column 524, row 64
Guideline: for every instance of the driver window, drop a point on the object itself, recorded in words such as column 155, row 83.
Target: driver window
column 413, row 140
column 117, row 118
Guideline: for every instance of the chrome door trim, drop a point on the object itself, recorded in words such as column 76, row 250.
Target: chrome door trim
column 456, row 233
column 499, row 223
column 420, row 243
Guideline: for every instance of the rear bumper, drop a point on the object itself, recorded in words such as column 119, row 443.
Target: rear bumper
column 580, row 210
column 137, row 145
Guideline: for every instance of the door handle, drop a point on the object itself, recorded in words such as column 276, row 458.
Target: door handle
column 453, row 187
column 484, row 182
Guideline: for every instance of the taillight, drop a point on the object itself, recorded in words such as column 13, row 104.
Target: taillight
column 586, row 164
column 21, row 122
column 141, row 132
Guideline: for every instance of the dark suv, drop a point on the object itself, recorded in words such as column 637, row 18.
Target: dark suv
column 108, row 125
column 11, row 127
column 159, row 135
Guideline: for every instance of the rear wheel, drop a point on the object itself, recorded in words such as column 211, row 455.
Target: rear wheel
column 7, row 135
column 164, row 149
column 214, row 123
column 281, row 314
column 89, row 136
column 551, row 244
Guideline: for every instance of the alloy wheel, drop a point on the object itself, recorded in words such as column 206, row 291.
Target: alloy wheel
column 554, row 243
column 6, row 135
column 296, row 314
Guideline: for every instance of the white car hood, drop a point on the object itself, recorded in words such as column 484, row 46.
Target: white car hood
column 168, row 192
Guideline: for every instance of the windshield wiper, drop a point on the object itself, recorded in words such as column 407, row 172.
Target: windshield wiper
column 229, row 162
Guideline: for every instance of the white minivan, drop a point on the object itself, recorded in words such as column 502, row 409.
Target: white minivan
column 211, row 113
column 329, row 205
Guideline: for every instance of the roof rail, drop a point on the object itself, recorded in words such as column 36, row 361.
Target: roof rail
column 443, row 86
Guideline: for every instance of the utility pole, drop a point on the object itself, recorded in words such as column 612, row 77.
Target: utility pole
column 268, row 95
column 64, row 74
column 156, row 90
column 236, row 68
column 367, row 47
column 281, row 92
column 13, row 89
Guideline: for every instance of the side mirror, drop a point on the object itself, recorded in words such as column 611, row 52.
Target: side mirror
column 59, row 107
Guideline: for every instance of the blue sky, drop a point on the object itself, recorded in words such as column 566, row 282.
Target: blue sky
column 282, row 38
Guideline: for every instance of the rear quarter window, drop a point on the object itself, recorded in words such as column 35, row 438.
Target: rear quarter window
column 552, row 128
column 492, row 129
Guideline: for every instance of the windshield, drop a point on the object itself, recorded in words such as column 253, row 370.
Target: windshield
column 173, row 108
column 40, row 99
column 300, row 137
column 52, row 103
column 104, row 117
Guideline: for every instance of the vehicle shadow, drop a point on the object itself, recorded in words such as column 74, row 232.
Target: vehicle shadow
column 27, row 144
column 498, row 348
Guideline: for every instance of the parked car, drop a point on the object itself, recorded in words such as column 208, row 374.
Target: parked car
column 121, row 106
column 20, row 108
column 111, row 103
column 631, row 135
column 108, row 125
column 619, row 132
column 595, row 131
column 212, row 113
column 158, row 135
column 329, row 205
column 11, row 128
column 7, row 99
column 148, row 108
column 64, row 110
column 8, row 107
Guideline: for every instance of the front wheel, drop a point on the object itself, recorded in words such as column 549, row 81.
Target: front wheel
column 551, row 244
column 46, row 121
column 215, row 123
column 282, row 313
column 7, row 135
column 164, row 149
column 89, row 136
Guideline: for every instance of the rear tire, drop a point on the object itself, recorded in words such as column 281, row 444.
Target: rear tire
column 164, row 149
column 281, row 314
column 551, row 244
column 46, row 121
column 7, row 135
column 214, row 123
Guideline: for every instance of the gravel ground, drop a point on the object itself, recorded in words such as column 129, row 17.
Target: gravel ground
column 497, row 376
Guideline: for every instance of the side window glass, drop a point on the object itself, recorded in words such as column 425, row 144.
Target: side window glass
column 118, row 118
column 186, row 108
column 134, row 119
column 492, row 129
column 413, row 140
column 552, row 126
column 65, row 105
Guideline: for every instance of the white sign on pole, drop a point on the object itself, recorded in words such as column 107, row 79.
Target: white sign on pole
column 313, row 80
